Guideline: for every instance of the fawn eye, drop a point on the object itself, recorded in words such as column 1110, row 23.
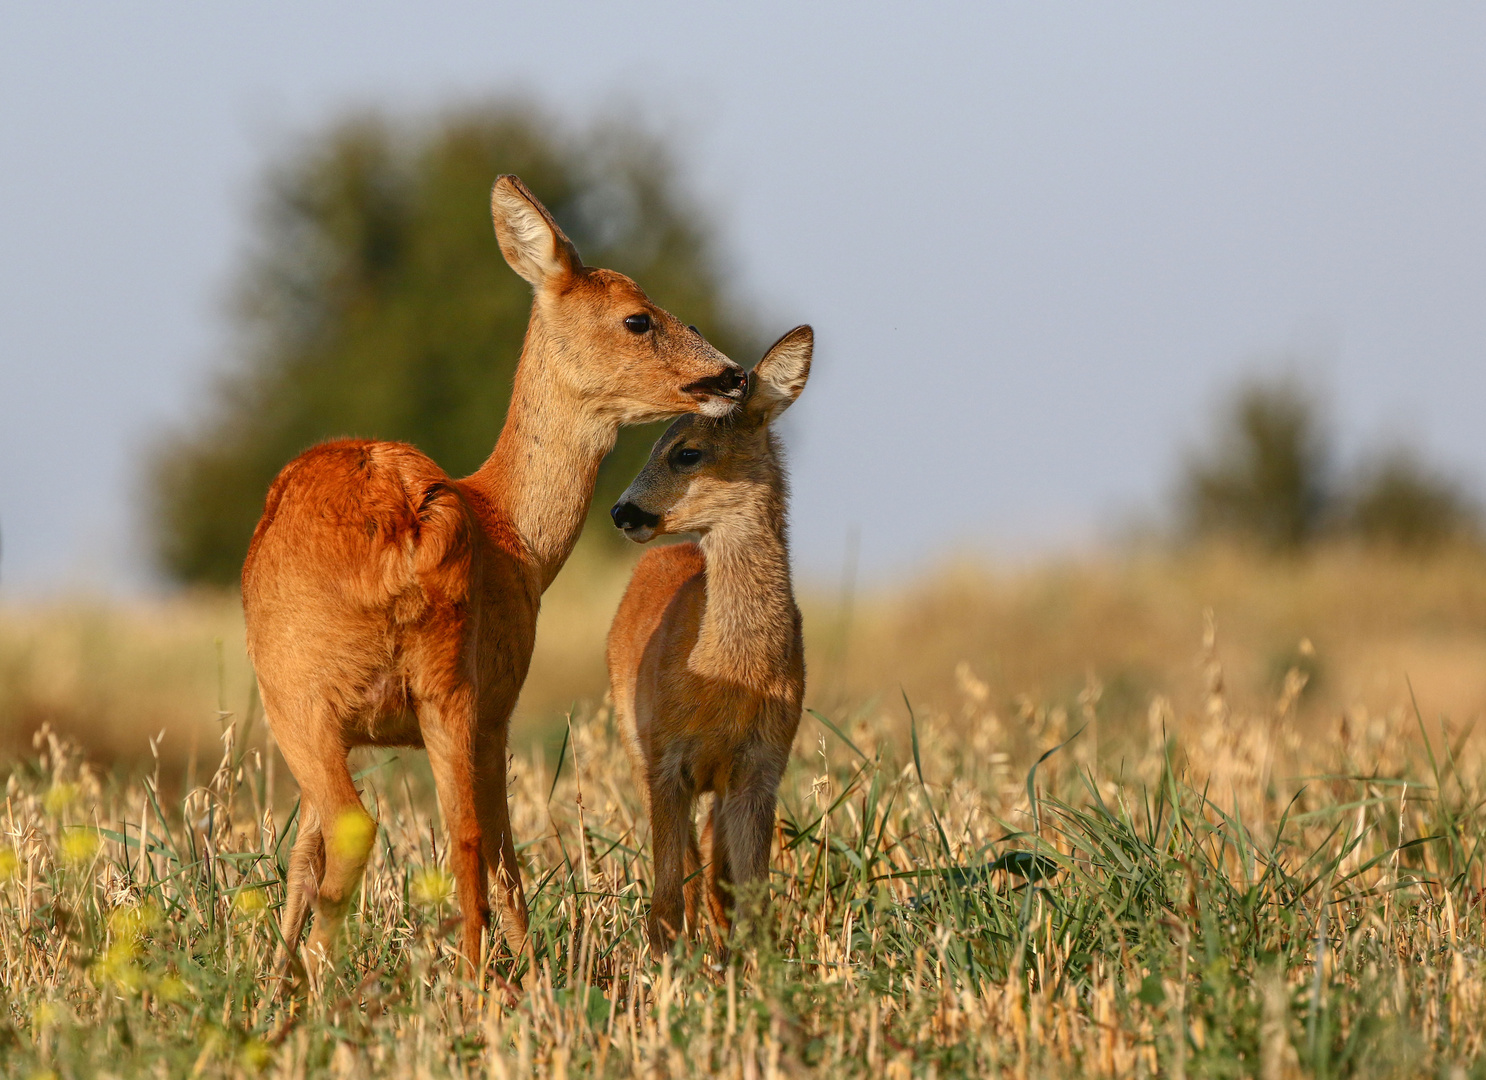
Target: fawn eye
column 687, row 455
column 637, row 324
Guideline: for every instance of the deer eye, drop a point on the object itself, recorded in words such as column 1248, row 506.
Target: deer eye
column 637, row 324
column 687, row 455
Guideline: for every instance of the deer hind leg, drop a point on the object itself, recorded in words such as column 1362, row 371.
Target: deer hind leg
column 672, row 837
column 498, row 844
column 351, row 832
column 338, row 839
column 302, row 882
column 448, row 733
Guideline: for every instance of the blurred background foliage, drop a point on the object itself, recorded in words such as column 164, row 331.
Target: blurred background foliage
column 375, row 303
column 1271, row 476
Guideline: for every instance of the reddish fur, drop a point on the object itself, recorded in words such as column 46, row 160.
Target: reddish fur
column 390, row 604
column 706, row 655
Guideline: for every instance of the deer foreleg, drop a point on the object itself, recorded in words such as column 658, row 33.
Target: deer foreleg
column 448, row 732
column 672, row 838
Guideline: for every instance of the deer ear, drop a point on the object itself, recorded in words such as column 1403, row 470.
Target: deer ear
column 529, row 239
column 779, row 377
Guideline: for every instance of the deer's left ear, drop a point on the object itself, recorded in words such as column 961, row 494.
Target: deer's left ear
column 779, row 377
column 529, row 237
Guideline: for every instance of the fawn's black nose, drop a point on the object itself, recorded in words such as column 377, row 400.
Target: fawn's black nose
column 627, row 516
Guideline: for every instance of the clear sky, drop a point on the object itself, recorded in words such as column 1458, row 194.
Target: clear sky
column 1035, row 240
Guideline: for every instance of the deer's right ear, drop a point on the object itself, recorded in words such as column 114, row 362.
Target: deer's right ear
column 779, row 377
column 529, row 239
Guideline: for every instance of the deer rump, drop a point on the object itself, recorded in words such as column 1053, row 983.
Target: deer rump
column 379, row 618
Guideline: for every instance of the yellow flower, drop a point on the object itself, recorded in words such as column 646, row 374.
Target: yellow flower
column 59, row 798
column 47, row 1014
column 10, row 863
column 256, row 1055
column 117, row 966
column 121, row 950
column 126, row 977
column 432, row 885
column 172, row 988
column 352, row 834
column 79, row 845
column 135, row 920
column 250, row 901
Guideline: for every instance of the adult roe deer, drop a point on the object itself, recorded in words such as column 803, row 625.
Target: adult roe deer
column 706, row 660
column 389, row 604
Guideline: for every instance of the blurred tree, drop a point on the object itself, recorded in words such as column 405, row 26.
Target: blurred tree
column 376, row 303
column 1398, row 500
column 1268, row 477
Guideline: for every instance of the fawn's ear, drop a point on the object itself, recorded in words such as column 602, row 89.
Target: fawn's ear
column 529, row 239
column 779, row 377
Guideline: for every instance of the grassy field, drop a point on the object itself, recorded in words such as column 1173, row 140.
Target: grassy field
column 1206, row 815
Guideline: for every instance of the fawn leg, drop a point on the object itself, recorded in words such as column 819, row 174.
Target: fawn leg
column 670, row 832
column 693, row 883
column 746, row 822
column 719, row 880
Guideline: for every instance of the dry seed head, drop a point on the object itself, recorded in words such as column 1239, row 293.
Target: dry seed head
column 977, row 691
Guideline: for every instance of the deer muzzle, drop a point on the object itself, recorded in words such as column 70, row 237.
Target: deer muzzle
column 719, row 393
column 637, row 524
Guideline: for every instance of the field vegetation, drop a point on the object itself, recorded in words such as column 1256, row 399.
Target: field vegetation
column 1209, row 813
column 1211, row 807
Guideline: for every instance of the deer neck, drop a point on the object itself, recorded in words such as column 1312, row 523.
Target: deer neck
column 539, row 478
column 747, row 632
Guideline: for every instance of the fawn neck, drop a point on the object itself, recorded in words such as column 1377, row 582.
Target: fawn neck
column 541, row 474
column 748, row 627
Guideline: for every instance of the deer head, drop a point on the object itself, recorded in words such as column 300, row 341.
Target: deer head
column 608, row 344
column 706, row 471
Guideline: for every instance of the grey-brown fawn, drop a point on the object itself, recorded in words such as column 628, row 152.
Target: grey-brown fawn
column 389, row 604
column 706, row 659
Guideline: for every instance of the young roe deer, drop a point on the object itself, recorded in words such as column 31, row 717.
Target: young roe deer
column 706, row 660
column 388, row 604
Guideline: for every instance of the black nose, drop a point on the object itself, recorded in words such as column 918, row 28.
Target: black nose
column 627, row 515
column 729, row 383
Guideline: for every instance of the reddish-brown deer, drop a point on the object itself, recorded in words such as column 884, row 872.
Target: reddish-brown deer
column 388, row 604
column 706, row 660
